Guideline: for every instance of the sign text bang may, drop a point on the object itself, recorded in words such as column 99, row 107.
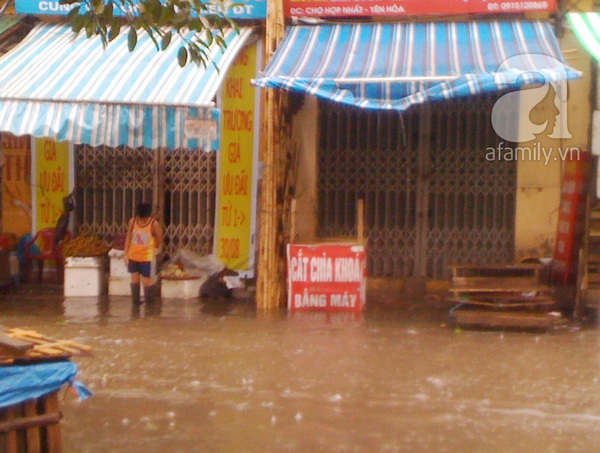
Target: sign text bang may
column 328, row 277
column 367, row 8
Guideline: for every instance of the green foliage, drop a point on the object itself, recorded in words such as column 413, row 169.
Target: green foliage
column 160, row 19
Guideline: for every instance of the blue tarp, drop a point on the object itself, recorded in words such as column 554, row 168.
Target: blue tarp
column 24, row 382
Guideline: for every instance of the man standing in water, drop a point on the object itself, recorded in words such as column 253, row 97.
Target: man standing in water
column 144, row 237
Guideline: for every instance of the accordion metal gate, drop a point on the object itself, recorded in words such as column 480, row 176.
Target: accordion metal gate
column 181, row 184
column 430, row 196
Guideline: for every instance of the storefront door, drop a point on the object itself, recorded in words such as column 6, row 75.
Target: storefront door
column 181, row 184
column 431, row 196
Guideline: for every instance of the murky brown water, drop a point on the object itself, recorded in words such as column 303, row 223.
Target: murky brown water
column 197, row 378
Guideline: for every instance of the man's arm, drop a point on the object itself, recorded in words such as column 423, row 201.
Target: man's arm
column 158, row 234
column 128, row 237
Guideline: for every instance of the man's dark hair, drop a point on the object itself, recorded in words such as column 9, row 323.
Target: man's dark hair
column 143, row 210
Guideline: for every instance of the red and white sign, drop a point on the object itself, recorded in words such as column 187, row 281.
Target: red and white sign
column 328, row 277
column 401, row 8
column 571, row 219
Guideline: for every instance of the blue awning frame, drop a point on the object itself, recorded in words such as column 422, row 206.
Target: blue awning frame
column 64, row 86
column 393, row 66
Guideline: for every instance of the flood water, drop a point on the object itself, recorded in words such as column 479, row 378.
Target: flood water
column 221, row 377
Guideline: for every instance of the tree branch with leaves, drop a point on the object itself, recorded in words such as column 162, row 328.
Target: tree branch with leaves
column 207, row 20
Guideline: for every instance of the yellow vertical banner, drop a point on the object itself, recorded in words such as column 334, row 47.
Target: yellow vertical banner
column 52, row 180
column 236, row 167
column 16, row 178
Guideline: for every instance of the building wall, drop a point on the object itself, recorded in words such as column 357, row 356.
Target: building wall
column 539, row 180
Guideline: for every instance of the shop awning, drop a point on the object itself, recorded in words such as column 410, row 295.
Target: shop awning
column 586, row 27
column 396, row 65
column 56, row 85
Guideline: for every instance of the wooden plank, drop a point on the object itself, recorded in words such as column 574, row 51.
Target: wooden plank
column 526, row 270
column 39, row 347
column 51, row 405
column 63, row 346
column 488, row 318
column 78, row 346
column 13, row 343
column 515, row 266
column 504, row 297
column 11, row 436
column 32, row 432
column 593, row 258
column 500, row 289
column 505, row 304
column 511, row 305
column 493, row 282
column 29, row 422
column 28, row 335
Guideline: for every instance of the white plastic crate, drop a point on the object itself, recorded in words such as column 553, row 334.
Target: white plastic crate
column 117, row 263
column 85, row 276
column 119, row 286
column 181, row 289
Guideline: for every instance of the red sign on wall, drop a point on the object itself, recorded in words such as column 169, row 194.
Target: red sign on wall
column 399, row 8
column 328, row 277
column 571, row 219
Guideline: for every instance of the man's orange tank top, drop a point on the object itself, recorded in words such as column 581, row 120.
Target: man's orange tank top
column 142, row 247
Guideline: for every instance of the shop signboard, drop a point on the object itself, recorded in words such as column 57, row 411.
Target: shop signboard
column 326, row 277
column 16, row 181
column 53, row 180
column 241, row 9
column 202, row 131
column 237, row 162
column 571, row 219
column 400, row 8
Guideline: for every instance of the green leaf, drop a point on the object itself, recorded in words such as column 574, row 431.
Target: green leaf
column 74, row 12
column 78, row 23
column 166, row 16
column 221, row 42
column 108, row 11
column 89, row 30
column 209, row 37
column 132, row 39
column 166, row 40
column 115, row 29
column 98, row 6
column 182, row 56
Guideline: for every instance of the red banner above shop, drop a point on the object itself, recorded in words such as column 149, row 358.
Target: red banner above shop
column 400, row 8
column 327, row 277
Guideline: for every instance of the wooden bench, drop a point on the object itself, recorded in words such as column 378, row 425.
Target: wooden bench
column 501, row 295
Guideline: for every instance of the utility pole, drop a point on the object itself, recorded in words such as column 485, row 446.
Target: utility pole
column 270, row 285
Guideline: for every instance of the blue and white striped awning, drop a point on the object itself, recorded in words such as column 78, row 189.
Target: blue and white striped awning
column 396, row 65
column 55, row 84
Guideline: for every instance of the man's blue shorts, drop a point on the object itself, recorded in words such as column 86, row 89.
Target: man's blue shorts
column 145, row 268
